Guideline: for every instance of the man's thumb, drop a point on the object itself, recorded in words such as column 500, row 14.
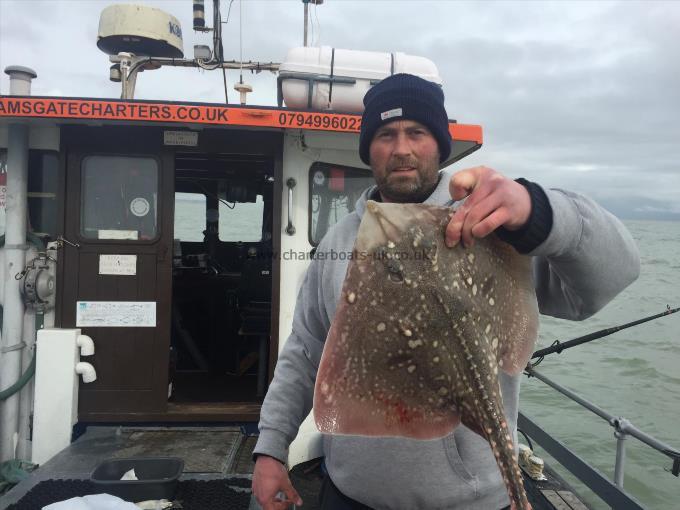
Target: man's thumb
column 292, row 494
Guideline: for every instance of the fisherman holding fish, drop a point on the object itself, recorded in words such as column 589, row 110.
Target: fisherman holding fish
column 582, row 257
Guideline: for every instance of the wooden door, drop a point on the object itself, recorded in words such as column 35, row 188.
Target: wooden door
column 116, row 285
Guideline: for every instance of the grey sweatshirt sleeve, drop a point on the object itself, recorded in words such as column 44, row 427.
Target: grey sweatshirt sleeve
column 586, row 260
column 289, row 397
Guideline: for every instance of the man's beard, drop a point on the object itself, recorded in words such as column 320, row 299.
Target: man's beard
column 409, row 188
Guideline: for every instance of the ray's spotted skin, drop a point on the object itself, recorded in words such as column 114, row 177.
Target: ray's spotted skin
column 421, row 332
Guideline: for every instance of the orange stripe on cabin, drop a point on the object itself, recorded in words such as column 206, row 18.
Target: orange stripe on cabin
column 466, row 132
column 138, row 111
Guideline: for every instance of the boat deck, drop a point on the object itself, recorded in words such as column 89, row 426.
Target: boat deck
column 209, row 453
column 217, row 470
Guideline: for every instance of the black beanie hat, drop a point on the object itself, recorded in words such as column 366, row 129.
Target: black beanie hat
column 405, row 96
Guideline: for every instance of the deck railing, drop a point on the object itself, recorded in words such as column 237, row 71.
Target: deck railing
column 611, row 492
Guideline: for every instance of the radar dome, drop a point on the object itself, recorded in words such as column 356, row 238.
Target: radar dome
column 141, row 30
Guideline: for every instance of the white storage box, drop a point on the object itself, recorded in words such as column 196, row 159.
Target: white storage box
column 328, row 78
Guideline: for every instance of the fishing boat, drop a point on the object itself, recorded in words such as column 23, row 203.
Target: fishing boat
column 151, row 260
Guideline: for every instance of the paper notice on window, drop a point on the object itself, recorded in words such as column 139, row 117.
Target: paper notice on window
column 115, row 314
column 118, row 265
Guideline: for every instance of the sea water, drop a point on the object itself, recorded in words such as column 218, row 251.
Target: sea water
column 634, row 373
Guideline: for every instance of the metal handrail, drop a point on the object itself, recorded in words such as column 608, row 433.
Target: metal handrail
column 622, row 429
column 604, row 488
column 290, row 228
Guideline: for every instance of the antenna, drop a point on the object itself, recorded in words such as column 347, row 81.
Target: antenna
column 134, row 35
column 242, row 88
column 307, row 2
column 139, row 38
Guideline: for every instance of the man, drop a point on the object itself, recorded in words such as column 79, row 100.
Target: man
column 583, row 257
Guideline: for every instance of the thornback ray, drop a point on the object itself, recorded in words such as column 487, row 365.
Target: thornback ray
column 421, row 331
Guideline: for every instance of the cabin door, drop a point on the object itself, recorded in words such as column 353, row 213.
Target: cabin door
column 116, row 283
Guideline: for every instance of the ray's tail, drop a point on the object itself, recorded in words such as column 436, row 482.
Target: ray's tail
column 502, row 447
column 491, row 424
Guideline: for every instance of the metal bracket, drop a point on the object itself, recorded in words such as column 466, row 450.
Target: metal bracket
column 311, row 79
column 675, row 469
column 15, row 347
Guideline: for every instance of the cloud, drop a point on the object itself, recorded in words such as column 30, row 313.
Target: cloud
column 581, row 95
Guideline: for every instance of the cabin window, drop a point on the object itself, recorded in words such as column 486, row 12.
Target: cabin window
column 43, row 174
column 43, row 184
column 119, row 198
column 333, row 192
column 241, row 221
column 190, row 212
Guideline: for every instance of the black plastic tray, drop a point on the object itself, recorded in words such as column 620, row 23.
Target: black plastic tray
column 157, row 478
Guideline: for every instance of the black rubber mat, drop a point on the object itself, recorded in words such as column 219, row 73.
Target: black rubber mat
column 191, row 494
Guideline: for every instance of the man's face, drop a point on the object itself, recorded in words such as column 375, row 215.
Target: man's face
column 405, row 161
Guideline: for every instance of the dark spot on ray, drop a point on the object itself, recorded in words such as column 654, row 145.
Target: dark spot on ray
column 394, row 268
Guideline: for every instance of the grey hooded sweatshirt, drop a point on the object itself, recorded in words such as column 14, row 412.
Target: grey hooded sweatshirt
column 587, row 258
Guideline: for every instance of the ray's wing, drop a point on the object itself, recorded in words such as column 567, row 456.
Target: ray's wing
column 369, row 380
column 496, row 287
column 515, row 305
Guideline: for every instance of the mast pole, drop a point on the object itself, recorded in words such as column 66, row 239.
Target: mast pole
column 12, row 345
column 306, row 2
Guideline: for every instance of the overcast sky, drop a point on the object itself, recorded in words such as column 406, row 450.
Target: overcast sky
column 580, row 95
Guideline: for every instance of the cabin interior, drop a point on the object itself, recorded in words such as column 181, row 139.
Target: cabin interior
column 221, row 278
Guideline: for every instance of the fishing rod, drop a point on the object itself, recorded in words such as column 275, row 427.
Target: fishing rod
column 558, row 346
